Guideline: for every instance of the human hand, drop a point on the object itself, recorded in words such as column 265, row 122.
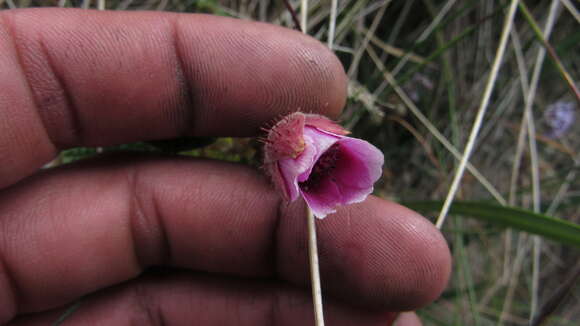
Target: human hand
column 83, row 78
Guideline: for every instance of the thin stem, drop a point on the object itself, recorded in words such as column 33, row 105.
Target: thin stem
column 564, row 187
column 431, row 128
column 304, row 16
column 292, row 14
column 397, row 52
column 571, row 9
column 529, row 100
column 436, row 21
column 332, row 24
column 314, row 269
column 551, row 52
column 480, row 113
column 558, row 297
column 536, row 255
column 370, row 32
column 519, row 149
column 514, row 277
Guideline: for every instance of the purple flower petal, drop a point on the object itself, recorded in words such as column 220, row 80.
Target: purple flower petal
column 291, row 169
column 297, row 170
column 323, row 199
column 357, row 167
column 321, row 142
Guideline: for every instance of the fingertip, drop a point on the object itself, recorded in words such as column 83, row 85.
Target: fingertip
column 323, row 71
column 375, row 254
column 333, row 78
column 270, row 71
column 422, row 257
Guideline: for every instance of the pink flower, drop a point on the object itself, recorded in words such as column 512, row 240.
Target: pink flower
column 308, row 155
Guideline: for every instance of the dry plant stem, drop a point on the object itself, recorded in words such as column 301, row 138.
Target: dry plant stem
column 553, row 55
column 351, row 8
column 401, row 19
column 370, row 33
column 515, row 320
column 397, row 52
column 432, row 129
column 314, row 269
column 419, row 138
column 529, row 99
column 519, row 148
column 558, row 297
column 292, row 14
column 480, row 113
column 124, row 4
column 515, row 272
column 304, row 16
column 332, row 23
column 436, row 21
column 564, row 187
column 571, row 9
column 161, row 5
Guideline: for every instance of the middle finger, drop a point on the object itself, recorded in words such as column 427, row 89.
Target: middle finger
column 79, row 228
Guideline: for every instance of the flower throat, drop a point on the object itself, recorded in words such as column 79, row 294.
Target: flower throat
column 323, row 168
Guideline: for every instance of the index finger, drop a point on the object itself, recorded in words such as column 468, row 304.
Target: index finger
column 72, row 77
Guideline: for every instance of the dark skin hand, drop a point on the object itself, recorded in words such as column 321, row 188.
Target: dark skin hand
column 83, row 78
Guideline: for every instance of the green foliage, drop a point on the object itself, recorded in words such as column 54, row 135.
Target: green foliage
column 243, row 150
column 556, row 229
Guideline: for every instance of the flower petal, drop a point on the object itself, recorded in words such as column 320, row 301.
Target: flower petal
column 323, row 123
column 291, row 169
column 324, row 199
column 297, row 170
column 359, row 167
column 321, row 142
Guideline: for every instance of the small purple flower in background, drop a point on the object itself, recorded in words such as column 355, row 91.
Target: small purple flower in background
column 308, row 155
column 559, row 118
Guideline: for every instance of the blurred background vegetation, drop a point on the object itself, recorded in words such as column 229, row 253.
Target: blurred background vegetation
column 418, row 73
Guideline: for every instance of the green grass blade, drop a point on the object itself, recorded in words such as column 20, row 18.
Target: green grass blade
column 556, row 229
